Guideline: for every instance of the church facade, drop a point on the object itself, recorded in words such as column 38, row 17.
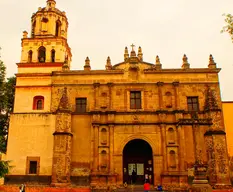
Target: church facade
column 97, row 127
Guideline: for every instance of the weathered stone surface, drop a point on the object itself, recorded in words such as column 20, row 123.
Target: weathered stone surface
column 89, row 143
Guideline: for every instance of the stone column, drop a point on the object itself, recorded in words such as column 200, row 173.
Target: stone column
column 111, row 148
column 160, row 84
column 164, row 146
column 218, row 163
column 62, row 144
column 182, row 152
column 177, row 100
column 215, row 139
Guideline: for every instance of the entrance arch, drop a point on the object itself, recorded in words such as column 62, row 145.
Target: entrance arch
column 137, row 157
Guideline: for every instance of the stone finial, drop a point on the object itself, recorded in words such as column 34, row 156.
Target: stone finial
column 87, row 66
column 65, row 66
column 158, row 65
column 157, row 60
column 108, row 65
column 51, row 3
column 25, row 34
column 126, row 55
column 185, row 65
column 140, row 54
column 212, row 64
column 64, row 102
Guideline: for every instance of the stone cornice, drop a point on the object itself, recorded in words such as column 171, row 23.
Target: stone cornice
column 191, row 70
column 48, row 64
column 32, row 74
column 82, row 72
column 214, row 132
column 195, row 122
column 32, row 86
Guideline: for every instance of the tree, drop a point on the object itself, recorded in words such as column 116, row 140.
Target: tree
column 229, row 25
column 7, row 91
column 2, row 104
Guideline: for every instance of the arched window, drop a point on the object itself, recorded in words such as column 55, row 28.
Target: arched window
column 33, row 29
column 30, row 56
column 42, row 54
column 53, row 56
column 44, row 24
column 103, row 136
column 172, row 159
column 168, row 99
column 58, row 28
column 171, row 136
column 38, row 103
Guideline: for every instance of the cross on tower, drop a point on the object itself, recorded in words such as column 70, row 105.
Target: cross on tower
column 132, row 46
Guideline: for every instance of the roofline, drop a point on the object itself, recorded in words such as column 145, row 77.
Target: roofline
column 227, row 101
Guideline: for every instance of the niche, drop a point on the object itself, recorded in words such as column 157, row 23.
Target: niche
column 168, row 99
column 172, row 159
column 103, row 136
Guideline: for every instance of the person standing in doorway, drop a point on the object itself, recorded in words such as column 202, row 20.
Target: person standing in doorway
column 134, row 175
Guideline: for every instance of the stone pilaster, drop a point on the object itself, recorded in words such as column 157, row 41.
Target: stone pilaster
column 96, row 148
column 182, row 152
column 177, row 100
column 160, row 84
column 158, row 168
column 198, row 143
column 96, row 95
column 164, row 146
column 110, row 85
column 111, row 148
column 62, row 144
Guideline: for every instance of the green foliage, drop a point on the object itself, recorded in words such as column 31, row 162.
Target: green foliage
column 228, row 28
column 7, row 91
column 4, row 168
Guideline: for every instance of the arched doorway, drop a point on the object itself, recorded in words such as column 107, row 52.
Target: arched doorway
column 137, row 157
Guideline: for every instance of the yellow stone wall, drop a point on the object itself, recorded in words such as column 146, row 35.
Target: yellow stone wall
column 30, row 135
column 228, row 121
column 24, row 99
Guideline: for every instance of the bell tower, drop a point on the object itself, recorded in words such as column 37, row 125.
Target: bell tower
column 46, row 48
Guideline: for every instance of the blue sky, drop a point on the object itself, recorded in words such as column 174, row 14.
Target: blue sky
column 102, row 28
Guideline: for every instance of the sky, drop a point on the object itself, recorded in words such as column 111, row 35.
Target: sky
column 102, row 28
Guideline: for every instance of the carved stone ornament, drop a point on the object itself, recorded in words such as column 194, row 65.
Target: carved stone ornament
column 210, row 100
column 64, row 102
